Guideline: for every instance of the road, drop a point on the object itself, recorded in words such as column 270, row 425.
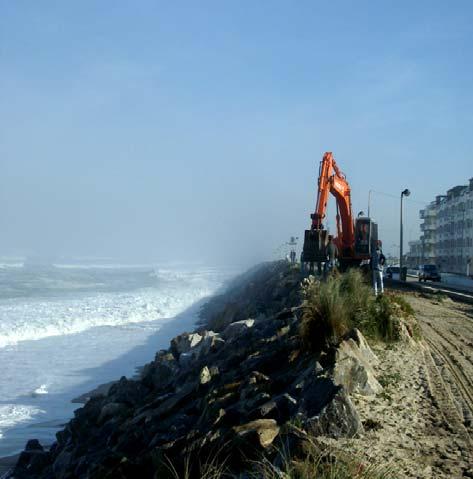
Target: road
column 460, row 283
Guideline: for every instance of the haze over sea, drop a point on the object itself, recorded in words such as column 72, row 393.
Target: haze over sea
column 66, row 328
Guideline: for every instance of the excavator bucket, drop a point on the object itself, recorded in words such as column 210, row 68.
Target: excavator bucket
column 315, row 246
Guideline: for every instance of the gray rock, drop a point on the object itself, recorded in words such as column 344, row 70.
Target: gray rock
column 186, row 360
column 62, row 463
column 262, row 431
column 33, row 445
column 353, row 366
column 236, row 329
column 109, row 410
column 177, row 398
column 338, row 418
column 316, row 393
column 184, row 343
column 211, row 342
column 279, row 408
column 205, row 375
column 161, row 373
column 127, row 391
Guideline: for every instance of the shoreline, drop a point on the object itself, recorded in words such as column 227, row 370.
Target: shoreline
column 7, row 462
column 137, row 357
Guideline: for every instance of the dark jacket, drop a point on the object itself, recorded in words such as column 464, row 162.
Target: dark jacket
column 377, row 260
column 332, row 251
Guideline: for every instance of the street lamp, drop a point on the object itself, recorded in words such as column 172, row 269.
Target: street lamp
column 406, row 192
column 369, row 203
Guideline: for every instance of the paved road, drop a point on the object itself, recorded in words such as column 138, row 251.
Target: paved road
column 460, row 283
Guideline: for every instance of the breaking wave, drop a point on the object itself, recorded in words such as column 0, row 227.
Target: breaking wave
column 36, row 318
column 12, row 414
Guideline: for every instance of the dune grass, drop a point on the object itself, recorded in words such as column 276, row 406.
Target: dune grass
column 318, row 461
column 346, row 301
column 314, row 461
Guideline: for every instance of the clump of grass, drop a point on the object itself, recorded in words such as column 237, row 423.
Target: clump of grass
column 389, row 379
column 214, row 467
column 320, row 462
column 325, row 318
column 402, row 303
column 346, row 301
column 358, row 295
column 384, row 322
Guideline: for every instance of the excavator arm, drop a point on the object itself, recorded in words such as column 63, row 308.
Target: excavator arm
column 332, row 180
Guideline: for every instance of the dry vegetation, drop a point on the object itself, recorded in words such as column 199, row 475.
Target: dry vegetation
column 343, row 302
column 318, row 461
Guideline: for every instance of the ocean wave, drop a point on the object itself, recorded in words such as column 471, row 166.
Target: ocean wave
column 36, row 318
column 11, row 265
column 12, row 414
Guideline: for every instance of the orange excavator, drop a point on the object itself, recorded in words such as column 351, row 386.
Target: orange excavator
column 355, row 237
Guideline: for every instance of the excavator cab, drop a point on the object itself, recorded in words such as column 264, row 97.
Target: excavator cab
column 366, row 235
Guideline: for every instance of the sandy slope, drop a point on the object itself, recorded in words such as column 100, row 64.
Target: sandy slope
column 421, row 424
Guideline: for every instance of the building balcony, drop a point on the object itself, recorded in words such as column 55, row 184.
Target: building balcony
column 428, row 227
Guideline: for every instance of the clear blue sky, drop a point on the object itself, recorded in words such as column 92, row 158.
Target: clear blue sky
column 193, row 130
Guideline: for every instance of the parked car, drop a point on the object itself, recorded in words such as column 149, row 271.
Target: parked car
column 428, row 272
column 392, row 272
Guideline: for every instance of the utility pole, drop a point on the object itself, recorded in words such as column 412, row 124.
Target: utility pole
column 422, row 260
column 369, row 203
column 463, row 235
column 405, row 192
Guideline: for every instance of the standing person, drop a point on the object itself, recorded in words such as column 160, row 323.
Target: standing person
column 332, row 253
column 293, row 257
column 377, row 264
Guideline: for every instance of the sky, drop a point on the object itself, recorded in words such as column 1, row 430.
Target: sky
column 193, row 131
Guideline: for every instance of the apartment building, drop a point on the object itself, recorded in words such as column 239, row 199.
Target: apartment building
column 446, row 232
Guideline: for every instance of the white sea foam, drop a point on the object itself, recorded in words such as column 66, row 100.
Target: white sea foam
column 37, row 318
column 11, row 265
column 37, row 303
column 13, row 414
column 43, row 389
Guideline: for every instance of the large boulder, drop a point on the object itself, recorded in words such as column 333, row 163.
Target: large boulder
column 353, row 369
column 32, row 460
column 261, row 432
column 162, row 372
column 237, row 329
column 210, row 343
column 111, row 409
column 127, row 391
column 338, row 418
column 184, row 343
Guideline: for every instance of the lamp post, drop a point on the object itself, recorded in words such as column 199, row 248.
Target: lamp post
column 406, row 192
column 369, row 202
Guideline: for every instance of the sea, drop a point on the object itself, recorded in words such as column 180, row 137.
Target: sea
column 67, row 328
